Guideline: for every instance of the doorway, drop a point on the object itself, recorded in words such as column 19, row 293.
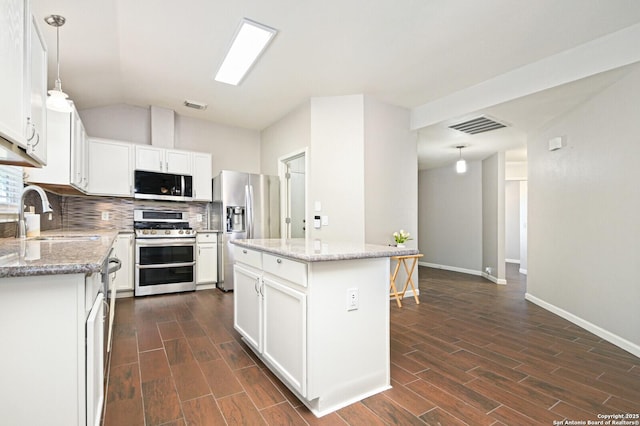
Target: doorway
column 293, row 181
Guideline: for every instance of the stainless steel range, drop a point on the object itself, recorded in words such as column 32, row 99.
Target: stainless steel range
column 165, row 252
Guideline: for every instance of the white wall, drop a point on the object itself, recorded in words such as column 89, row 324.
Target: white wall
column 584, row 222
column 450, row 218
column 291, row 133
column 231, row 148
column 493, row 237
column 524, row 229
column 336, row 166
column 512, row 221
column 391, row 173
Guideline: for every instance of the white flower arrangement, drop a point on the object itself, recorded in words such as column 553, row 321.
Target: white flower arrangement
column 402, row 236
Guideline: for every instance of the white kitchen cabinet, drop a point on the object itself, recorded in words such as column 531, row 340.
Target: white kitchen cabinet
column 95, row 361
column 202, row 189
column 23, row 83
column 163, row 160
column 206, row 257
column 271, row 313
column 285, row 331
column 123, row 248
column 110, row 168
column 66, row 168
column 37, row 103
column 13, row 73
column 51, row 323
column 294, row 315
column 247, row 304
column 79, row 154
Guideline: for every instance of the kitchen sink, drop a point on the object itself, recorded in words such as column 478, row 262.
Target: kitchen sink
column 66, row 238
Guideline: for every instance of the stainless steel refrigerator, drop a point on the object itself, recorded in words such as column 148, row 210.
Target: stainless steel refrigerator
column 244, row 206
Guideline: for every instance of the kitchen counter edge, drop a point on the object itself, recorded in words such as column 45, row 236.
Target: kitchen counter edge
column 318, row 251
column 56, row 257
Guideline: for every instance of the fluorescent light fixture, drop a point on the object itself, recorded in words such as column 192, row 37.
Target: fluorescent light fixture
column 249, row 42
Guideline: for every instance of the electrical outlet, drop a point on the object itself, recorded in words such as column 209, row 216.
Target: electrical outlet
column 105, row 215
column 352, row 299
column 198, row 218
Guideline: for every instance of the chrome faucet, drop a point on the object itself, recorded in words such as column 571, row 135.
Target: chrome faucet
column 46, row 208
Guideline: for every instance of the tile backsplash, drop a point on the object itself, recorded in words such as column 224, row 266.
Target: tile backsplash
column 85, row 213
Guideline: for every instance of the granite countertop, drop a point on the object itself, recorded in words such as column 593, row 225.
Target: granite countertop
column 63, row 253
column 319, row 251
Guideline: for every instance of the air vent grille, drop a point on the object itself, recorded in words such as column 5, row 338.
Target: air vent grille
column 195, row 105
column 478, row 125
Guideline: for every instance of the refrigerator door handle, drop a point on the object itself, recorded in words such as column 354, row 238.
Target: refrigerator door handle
column 248, row 192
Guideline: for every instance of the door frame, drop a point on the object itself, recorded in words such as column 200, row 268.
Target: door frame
column 285, row 204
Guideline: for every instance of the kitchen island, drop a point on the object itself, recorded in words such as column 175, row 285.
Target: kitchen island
column 51, row 327
column 317, row 314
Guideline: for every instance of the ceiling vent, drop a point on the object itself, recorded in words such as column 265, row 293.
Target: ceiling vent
column 478, row 125
column 195, row 105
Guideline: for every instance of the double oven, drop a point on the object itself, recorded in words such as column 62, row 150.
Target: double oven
column 164, row 252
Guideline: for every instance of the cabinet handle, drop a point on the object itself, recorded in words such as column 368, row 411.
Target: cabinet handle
column 255, row 286
column 279, row 260
column 161, row 166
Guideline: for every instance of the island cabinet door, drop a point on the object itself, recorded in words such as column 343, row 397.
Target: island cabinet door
column 285, row 332
column 247, row 302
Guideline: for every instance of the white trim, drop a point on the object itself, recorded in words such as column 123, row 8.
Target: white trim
column 451, row 268
column 512, row 261
column 523, row 271
column 496, row 280
column 621, row 342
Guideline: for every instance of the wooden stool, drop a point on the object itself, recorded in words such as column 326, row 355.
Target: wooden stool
column 393, row 289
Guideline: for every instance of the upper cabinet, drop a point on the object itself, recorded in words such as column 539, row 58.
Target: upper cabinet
column 163, row 160
column 201, row 176
column 37, row 105
column 66, row 169
column 22, row 114
column 110, row 168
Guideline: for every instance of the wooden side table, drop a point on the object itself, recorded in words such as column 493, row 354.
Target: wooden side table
column 403, row 260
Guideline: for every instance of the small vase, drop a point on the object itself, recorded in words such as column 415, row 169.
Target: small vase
column 401, row 245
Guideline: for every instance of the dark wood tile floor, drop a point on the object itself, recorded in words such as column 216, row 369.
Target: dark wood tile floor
column 471, row 353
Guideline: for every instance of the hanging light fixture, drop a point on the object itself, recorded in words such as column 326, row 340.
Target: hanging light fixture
column 461, row 165
column 57, row 99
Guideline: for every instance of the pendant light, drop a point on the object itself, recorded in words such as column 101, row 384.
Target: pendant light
column 57, row 99
column 461, row 165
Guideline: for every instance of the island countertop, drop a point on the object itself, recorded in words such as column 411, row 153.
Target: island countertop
column 321, row 251
column 55, row 252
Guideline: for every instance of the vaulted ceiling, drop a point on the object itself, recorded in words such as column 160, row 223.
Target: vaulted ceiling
column 404, row 52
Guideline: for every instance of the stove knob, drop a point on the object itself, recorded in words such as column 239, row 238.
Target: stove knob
column 153, row 232
column 145, row 232
column 167, row 232
column 181, row 231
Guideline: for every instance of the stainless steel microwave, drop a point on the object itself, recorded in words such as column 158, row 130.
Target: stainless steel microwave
column 163, row 186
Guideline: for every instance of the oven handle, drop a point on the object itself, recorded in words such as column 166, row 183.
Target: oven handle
column 165, row 265
column 151, row 242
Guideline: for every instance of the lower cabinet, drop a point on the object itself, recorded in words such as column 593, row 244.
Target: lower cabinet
column 51, row 362
column 206, row 257
column 271, row 314
column 122, row 280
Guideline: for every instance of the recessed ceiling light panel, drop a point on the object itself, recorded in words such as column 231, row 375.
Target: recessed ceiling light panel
column 250, row 40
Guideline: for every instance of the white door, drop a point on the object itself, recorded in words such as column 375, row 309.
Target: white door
column 295, row 196
column 178, row 162
column 285, row 332
column 247, row 301
column 37, row 131
column 201, row 177
column 95, row 361
column 110, row 171
column 207, row 262
column 149, row 158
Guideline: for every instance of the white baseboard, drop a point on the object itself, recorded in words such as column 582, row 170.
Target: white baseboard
column 464, row 271
column 620, row 342
column 522, row 271
column 451, row 268
column 512, row 260
column 496, row 280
